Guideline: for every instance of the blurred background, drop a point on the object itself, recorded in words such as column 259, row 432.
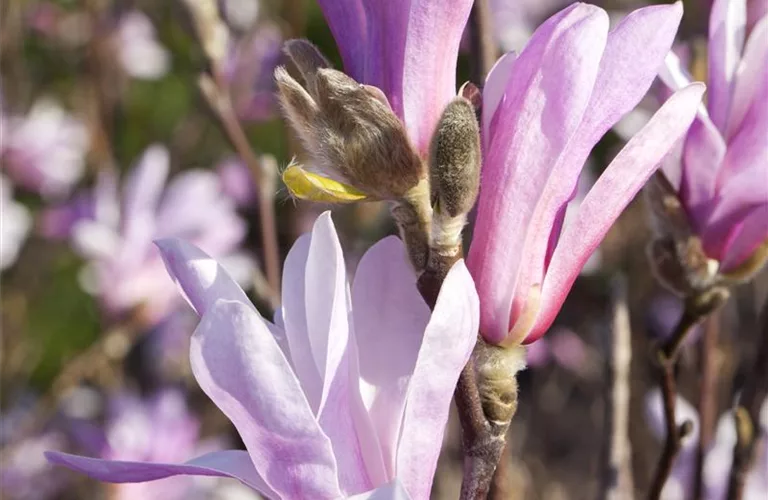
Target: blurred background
column 127, row 121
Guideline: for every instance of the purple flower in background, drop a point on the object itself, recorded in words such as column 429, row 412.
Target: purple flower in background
column 717, row 463
column 249, row 70
column 139, row 52
column 347, row 392
column 15, row 223
column 45, row 150
column 543, row 112
column 406, row 49
column 157, row 429
column 514, row 22
column 114, row 231
column 24, row 472
column 723, row 167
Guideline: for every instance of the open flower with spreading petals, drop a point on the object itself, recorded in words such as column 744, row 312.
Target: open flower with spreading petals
column 114, row 231
column 543, row 112
column 345, row 395
column 45, row 150
column 723, row 167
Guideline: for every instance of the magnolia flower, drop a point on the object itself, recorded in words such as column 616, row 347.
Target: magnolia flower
column 346, row 392
column 543, row 111
column 723, row 167
column 44, row 151
column 406, row 49
column 138, row 50
column 15, row 223
column 114, row 231
column 718, row 459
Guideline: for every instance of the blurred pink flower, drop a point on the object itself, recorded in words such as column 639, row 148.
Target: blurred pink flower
column 114, row 231
column 406, row 49
column 514, row 22
column 45, row 150
column 249, row 70
column 346, row 392
column 719, row 457
column 542, row 114
column 139, row 52
column 723, row 166
column 15, row 223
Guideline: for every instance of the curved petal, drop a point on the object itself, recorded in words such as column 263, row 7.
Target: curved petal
column 611, row 193
column 703, row 154
column 328, row 326
column 745, row 239
column 390, row 317
column 145, row 183
column 493, row 92
column 448, row 341
column 200, row 278
column 544, row 103
column 241, row 368
column 727, row 27
column 751, row 74
column 347, row 21
column 229, row 463
column 295, row 318
column 434, row 33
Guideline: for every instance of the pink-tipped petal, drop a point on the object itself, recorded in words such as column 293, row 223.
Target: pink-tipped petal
column 390, row 491
column 230, row 463
column 544, row 103
column 611, row 193
column 200, row 278
column 727, row 27
column 241, row 368
column 390, row 317
column 448, row 341
column 295, row 317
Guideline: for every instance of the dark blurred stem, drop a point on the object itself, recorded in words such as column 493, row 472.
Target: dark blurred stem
column 667, row 358
column 482, row 44
column 707, row 397
column 747, row 414
column 616, row 480
column 501, row 489
column 220, row 102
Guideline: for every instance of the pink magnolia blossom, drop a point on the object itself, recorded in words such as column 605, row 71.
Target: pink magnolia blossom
column 543, row 111
column 723, row 167
column 114, row 231
column 45, row 150
column 407, row 48
column 346, row 392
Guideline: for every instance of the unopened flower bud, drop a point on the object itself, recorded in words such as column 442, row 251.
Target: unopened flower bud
column 496, row 368
column 348, row 129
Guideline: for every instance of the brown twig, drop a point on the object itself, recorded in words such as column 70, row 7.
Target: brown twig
column 747, row 414
column 707, row 398
column 482, row 46
column 667, row 357
column 616, row 481
column 219, row 99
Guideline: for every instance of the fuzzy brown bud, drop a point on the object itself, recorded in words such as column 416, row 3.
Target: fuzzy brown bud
column 496, row 368
column 454, row 160
column 348, row 129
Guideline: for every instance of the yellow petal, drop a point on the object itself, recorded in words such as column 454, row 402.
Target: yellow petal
column 313, row 187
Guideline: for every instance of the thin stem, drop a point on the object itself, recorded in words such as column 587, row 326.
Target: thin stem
column 482, row 45
column 221, row 103
column 616, row 481
column 667, row 358
column 707, row 398
column 747, row 414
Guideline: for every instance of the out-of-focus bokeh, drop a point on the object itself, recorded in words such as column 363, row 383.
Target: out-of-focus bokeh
column 111, row 138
